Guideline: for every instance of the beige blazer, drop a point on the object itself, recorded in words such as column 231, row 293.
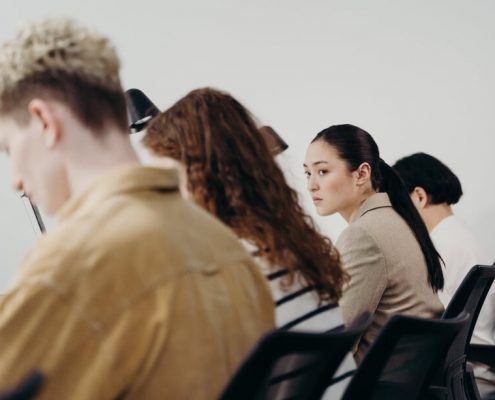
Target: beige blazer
column 387, row 269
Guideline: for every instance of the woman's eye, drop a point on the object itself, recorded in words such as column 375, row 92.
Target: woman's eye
column 307, row 173
column 322, row 172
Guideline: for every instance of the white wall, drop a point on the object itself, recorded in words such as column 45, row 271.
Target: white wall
column 418, row 75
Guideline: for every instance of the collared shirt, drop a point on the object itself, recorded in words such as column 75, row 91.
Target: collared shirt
column 460, row 252
column 135, row 294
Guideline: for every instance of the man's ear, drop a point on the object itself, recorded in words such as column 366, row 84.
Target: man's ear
column 420, row 198
column 44, row 114
column 363, row 174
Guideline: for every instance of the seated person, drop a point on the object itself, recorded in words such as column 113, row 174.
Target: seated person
column 386, row 249
column 135, row 293
column 434, row 188
column 228, row 170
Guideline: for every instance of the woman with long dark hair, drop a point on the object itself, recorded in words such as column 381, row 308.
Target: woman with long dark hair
column 386, row 249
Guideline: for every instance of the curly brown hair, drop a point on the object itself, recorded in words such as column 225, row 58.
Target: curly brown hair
column 231, row 174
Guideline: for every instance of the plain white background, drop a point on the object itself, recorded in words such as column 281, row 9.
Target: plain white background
column 418, row 75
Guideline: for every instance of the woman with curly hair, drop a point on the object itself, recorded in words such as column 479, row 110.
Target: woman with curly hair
column 227, row 169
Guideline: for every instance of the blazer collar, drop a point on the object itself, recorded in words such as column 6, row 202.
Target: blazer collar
column 377, row 200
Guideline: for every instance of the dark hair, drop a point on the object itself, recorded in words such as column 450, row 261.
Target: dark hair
column 231, row 174
column 356, row 146
column 428, row 172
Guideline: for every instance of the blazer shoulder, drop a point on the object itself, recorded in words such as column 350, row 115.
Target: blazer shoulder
column 358, row 248
column 376, row 221
column 356, row 235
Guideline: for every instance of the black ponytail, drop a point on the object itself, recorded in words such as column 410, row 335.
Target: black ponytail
column 392, row 184
column 356, row 146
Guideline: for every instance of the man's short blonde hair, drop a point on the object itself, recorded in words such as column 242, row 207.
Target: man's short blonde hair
column 58, row 58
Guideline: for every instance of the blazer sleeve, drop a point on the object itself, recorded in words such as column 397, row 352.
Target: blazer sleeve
column 364, row 262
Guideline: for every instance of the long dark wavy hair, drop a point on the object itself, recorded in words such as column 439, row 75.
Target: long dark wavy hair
column 231, row 174
column 356, row 146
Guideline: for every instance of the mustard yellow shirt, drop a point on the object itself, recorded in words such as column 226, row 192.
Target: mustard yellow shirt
column 136, row 294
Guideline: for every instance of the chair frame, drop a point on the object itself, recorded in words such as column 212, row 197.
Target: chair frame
column 454, row 380
column 253, row 377
column 367, row 375
column 27, row 388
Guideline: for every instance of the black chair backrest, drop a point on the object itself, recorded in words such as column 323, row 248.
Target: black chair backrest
column 27, row 388
column 401, row 361
column 469, row 297
column 293, row 365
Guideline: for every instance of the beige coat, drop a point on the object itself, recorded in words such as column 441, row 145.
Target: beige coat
column 135, row 294
column 387, row 268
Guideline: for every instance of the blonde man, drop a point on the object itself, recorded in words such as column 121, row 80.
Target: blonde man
column 135, row 293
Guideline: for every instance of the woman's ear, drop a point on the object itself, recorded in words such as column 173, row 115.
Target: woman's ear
column 363, row 174
column 420, row 198
column 44, row 115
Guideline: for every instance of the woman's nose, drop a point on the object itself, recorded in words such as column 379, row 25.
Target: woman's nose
column 312, row 184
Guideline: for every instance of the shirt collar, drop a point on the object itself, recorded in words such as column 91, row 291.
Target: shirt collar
column 377, row 200
column 128, row 178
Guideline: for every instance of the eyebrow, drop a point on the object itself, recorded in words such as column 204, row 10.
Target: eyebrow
column 316, row 163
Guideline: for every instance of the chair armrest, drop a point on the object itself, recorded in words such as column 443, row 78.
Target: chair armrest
column 482, row 353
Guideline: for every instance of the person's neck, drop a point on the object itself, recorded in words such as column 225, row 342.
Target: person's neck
column 94, row 156
column 350, row 213
column 435, row 213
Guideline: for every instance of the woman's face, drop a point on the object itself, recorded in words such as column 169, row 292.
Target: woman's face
column 332, row 186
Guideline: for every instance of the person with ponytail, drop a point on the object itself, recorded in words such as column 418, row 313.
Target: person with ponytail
column 386, row 249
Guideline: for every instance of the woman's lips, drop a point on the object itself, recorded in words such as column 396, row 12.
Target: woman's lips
column 317, row 200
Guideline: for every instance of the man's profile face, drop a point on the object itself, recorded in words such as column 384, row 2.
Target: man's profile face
column 36, row 169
